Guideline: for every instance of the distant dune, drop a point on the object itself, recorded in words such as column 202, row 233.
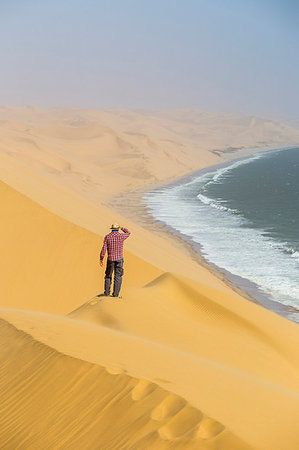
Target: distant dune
column 182, row 361
column 88, row 149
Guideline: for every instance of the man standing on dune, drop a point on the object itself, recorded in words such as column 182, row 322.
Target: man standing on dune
column 114, row 243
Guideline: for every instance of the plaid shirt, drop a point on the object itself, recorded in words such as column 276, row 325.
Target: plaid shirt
column 114, row 243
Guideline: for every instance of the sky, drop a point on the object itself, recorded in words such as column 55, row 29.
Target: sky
column 220, row 55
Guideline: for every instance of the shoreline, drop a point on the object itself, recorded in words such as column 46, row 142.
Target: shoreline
column 133, row 203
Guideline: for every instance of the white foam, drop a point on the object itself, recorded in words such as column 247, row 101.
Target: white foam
column 215, row 204
column 217, row 175
column 295, row 255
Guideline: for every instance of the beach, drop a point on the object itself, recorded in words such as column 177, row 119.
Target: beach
column 184, row 360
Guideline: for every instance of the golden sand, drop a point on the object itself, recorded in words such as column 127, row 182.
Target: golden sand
column 182, row 361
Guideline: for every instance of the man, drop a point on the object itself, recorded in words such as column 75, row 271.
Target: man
column 114, row 243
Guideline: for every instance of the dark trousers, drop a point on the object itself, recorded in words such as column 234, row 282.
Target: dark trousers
column 117, row 268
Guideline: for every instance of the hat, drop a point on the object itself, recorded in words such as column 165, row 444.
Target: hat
column 114, row 226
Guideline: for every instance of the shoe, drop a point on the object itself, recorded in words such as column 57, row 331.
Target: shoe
column 117, row 296
column 103, row 295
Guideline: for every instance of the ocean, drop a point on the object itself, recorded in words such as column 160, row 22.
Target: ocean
column 244, row 219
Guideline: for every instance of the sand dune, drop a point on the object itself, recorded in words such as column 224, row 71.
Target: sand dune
column 233, row 386
column 182, row 361
column 51, row 400
column 87, row 150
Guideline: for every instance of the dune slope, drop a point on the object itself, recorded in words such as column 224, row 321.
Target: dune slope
column 47, row 263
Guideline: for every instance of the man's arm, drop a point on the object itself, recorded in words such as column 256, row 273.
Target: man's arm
column 103, row 251
column 126, row 233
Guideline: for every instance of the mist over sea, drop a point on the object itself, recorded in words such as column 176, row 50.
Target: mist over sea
column 245, row 216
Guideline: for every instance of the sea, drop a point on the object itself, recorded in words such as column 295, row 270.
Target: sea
column 243, row 218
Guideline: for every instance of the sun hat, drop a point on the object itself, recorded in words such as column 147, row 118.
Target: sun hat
column 115, row 226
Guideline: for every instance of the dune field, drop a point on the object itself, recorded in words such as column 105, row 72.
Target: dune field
column 182, row 360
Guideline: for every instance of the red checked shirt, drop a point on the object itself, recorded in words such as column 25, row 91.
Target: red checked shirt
column 114, row 243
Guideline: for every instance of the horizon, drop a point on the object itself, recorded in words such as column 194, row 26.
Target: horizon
column 162, row 56
column 293, row 122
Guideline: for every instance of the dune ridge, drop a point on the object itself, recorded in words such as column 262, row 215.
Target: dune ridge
column 182, row 361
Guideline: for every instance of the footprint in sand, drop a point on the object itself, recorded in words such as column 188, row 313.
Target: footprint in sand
column 170, row 406
column 113, row 370
column 93, row 302
column 184, row 422
column 96, row 299
column 142, row 389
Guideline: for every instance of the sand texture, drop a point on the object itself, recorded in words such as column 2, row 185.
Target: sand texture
column 182, row 361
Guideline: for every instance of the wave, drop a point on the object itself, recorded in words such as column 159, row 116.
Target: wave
column 291, row 251
column 219, row 174
column 216, row 204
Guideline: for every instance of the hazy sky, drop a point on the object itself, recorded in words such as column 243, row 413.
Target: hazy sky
column 226, row 55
